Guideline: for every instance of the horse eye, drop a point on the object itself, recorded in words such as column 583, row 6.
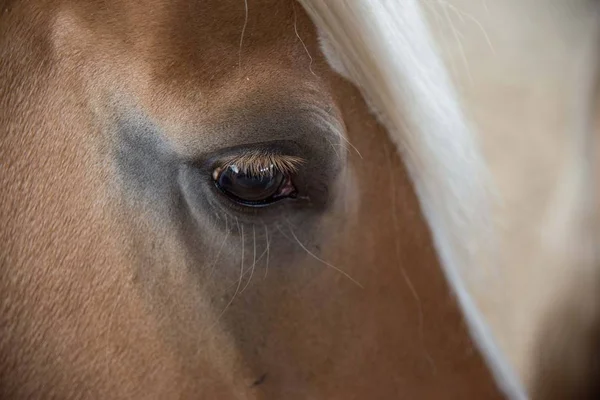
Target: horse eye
column 253, row 189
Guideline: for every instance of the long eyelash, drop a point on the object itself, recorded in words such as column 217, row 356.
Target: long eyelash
column 260, row 163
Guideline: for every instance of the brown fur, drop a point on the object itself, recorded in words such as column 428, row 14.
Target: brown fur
column 102, row 298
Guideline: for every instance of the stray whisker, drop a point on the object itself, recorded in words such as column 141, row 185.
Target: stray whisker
column 339, row 156
column 302, row 41
column 283, row 233
column 214, row 263
column 253, row 259
column 339, row 132
column 241, row 271
column 268, row 251
column 243, row 32
column 325, row 262
column 246, row 272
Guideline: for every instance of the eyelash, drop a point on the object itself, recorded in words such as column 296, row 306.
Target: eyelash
column 257, row 162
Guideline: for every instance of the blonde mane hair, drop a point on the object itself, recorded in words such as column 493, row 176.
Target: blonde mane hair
column 385, row 48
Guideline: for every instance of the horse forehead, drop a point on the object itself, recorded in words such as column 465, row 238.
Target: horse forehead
column 214, row 35
column 193, row 61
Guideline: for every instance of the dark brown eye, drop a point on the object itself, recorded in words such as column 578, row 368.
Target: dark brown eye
column 254, row 189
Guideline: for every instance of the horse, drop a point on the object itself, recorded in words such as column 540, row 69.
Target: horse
column 219, row 199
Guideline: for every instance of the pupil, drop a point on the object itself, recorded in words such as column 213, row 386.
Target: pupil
column 250, row 187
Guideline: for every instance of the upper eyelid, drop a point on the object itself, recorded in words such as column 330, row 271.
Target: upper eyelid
column 257, row 162
column 282, row 149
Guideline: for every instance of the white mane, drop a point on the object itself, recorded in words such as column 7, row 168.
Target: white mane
column 385, row 48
